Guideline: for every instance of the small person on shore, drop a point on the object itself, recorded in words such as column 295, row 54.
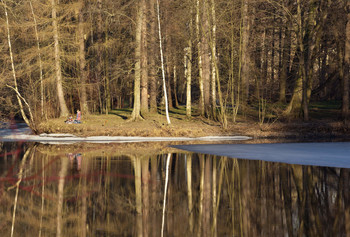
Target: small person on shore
column 78, row 119
column 69, row 119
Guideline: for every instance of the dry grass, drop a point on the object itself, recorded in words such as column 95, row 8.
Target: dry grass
column 154, row 125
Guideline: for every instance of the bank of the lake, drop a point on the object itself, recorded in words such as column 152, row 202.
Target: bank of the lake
column 156, row 126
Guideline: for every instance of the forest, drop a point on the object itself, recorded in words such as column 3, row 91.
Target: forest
column 220, row 57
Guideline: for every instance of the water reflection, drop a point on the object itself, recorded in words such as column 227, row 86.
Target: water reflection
column 113, row 190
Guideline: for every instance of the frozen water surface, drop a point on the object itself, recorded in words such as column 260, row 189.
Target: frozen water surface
column 329, row 154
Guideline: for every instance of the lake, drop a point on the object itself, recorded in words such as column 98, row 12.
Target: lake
column 155, row 189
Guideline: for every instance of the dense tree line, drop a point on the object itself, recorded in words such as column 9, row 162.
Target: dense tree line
column 222, row 56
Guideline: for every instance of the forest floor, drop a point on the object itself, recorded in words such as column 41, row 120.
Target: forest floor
column 323, row 124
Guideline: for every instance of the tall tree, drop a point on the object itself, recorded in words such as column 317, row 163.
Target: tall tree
column 136, row 112
column 152, row 58
column 59, row 79
column 82, row 61
column 144, row 62
column 245, row 56
column 345, row 92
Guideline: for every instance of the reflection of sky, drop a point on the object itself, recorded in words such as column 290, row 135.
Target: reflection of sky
column 332, row 154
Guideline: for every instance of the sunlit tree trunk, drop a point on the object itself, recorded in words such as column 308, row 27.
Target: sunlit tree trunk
column 214, row 56
column 152, row 58
column 136, row 113
column 162, row 64
column 59, row 79
column 82, row 60
column 144, row 61
column 188, row 69
column 199, row 52
column 205, row 57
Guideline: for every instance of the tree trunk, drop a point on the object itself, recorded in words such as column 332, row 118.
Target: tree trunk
column 60, row 94
column 162, row 65
column 82, row 61
column 285, row 62
column 205, row 58
column 144, row 62
column 175, row 87
column 136, row 113
column 214, row 57
column 40, row 61
column 245, row 52
column 200, row 69
column 188, row 75
column 345, row 96
column 152, row 59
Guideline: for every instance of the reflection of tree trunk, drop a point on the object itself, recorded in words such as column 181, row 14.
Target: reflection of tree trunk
column 42, row 194
column 165, row 192
column 20, row 174
column 286, row 192
column 207, row 196
column 189, row 190
column 137, row 172
column 84, row 212
column 246, row 193
column 214, row 196
column 154, row 199
column 62, row 174
column 346, row 194
column 145, row 195
column 201, row 195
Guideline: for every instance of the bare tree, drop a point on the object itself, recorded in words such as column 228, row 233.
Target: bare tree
column 59, row 79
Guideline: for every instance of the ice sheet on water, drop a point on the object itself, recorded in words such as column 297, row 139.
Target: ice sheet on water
column 329, row 154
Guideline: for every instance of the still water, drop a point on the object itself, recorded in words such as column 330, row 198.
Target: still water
column 150, row 189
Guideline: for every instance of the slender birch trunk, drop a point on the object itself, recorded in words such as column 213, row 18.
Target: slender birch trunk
column 30, row 122
column 60, row 94
column 162, row 63
column 213, row 50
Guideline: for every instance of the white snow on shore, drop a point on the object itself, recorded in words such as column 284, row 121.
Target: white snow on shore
column 69, row 138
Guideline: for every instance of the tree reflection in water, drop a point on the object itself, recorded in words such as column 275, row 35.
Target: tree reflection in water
column 107, row 190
